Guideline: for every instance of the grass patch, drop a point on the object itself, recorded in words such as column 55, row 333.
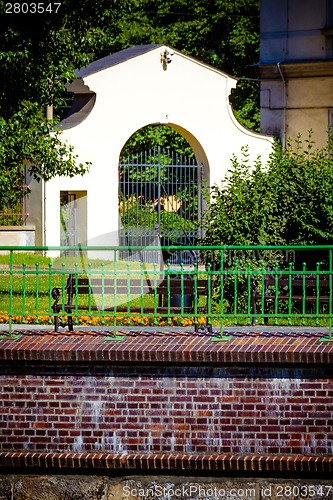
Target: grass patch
column 29, row 258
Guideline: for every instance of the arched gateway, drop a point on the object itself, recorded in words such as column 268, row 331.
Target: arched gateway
column 116, row 96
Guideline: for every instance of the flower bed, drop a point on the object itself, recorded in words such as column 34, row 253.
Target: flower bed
column 133, row 320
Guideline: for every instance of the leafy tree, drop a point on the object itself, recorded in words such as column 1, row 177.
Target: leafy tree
column 38, row 56
column 26, row 139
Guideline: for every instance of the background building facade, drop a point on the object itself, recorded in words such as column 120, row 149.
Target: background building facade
column 296, row 68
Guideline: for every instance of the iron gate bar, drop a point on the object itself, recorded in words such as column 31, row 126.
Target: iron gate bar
column 160, row 197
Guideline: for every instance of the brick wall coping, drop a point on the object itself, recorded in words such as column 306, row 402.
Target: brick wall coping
column 166, row 462
column 174, row 346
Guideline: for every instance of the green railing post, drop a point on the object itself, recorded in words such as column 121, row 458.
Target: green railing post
column 330, row 295
column 209, row 296
column 276, row 298
column 10, row 333
column 221, row 275
column 195, row 289
column 304, row 293
column 37, row 292
column 103, row 294
column 76, row 298
column 182, row 289
column 24, row 290
column 10, row 319
column 168, row 290
column 330, row 278
column 222, row 282
column 249, row 290
column 115, row 336
column 89, row 285
column 317, row 292
column 290, row 292
column 128, row 295
column 263, row 274
column 142, row 284
column 156, row 273
column 63, row 288
column 50, row 281
column 235, row 292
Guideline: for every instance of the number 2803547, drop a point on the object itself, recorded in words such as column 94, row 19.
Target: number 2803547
column 32, row 8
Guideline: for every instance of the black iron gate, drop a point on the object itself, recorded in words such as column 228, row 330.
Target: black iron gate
column 160, row 199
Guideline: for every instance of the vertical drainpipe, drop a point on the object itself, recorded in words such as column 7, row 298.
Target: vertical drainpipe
column 284, row 138
column 49, row 116
column 43, row 213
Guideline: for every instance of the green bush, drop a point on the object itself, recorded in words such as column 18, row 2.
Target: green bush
column 288, row 201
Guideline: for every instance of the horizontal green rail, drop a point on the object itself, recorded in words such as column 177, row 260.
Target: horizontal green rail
column 219, row 286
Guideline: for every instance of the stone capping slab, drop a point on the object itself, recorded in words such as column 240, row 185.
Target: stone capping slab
column 174, row 346
column 167, row 462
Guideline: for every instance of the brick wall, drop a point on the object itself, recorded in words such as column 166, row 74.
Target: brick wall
column 136, row 409
column 162, row 411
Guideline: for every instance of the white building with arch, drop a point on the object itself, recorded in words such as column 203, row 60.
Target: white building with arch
column 116, row 96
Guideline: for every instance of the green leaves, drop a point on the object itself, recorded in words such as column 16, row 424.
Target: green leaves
column 287, row 201
column 26, row 138
column 152, row 136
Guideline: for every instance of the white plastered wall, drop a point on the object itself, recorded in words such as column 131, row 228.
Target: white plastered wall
column 190, row 96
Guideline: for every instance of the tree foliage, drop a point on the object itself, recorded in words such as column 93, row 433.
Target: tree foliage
column 26, row 138
column 288, row 201
column 38, row 56
column 152, row 136
column 222, row 33
column 40, row 52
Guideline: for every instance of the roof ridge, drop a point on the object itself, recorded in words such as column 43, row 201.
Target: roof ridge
column 115, row 58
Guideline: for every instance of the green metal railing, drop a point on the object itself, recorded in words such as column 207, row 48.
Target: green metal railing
column 246, row 285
